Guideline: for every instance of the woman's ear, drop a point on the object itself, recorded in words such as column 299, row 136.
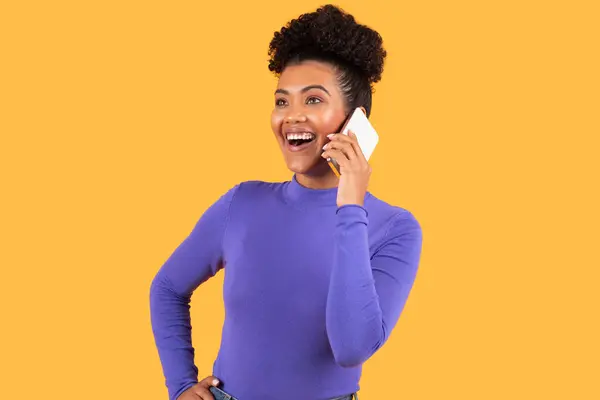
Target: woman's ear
column 364, row 110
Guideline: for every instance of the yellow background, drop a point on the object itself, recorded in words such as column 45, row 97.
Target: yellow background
column 122, row 121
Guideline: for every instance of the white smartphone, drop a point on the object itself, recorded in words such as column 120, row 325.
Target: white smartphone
column 365, row 134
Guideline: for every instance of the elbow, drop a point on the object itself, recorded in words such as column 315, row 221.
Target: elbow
column 157, row 293
column 352, row 351
column 349, row 360
column 158, row 285
column 161, row 290
column 349, row 356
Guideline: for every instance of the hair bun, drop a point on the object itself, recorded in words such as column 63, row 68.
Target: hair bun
column 334, row 33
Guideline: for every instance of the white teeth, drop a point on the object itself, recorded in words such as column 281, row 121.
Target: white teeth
column 297, row 136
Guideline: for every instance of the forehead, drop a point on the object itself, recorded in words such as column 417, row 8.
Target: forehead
column 295, row 77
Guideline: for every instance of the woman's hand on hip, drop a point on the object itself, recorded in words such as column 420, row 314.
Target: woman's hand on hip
column 200, row 390
column 355, row 170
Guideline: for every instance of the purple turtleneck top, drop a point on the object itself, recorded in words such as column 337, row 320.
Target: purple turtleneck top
column 311, row 290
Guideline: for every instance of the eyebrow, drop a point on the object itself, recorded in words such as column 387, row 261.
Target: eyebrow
column 306, row 89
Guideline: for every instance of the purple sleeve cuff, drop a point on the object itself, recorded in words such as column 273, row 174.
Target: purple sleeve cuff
column 352, row 210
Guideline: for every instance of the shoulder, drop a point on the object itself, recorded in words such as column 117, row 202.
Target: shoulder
column 396, row 219
column 401, row 235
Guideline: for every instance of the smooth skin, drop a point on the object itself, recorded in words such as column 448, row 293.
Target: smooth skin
column 308, row 97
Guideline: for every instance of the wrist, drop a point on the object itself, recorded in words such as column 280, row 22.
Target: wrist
column 351, row 203
column 349, row 209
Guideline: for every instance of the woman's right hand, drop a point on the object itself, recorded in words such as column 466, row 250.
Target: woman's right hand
column 200, row 390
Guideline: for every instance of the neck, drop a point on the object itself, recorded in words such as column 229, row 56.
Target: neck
column 322, row 179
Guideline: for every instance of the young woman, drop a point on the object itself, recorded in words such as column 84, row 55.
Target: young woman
column 317, row 269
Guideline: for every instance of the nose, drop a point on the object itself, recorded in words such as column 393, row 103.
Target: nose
column 295, row 116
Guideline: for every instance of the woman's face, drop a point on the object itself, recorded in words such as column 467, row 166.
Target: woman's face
column 308, row 106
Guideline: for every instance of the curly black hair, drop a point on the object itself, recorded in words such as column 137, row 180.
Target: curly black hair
column 331, row 35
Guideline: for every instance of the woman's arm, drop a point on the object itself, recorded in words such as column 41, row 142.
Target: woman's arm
column 366, row 297
column 194, row 261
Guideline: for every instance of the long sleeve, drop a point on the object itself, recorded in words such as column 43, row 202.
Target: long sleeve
column 366, row 296
column 195, row 260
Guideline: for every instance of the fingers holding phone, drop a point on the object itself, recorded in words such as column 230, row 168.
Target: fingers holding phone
column 364, row 139
column 355, row 170
column 351, row 153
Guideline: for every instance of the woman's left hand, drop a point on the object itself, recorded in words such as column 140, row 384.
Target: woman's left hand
column 355, row 170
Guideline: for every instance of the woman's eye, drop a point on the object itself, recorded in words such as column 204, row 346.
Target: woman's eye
column 279, row 102
column 313, row 100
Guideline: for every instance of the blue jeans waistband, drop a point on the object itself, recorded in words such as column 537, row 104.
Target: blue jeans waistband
column 220, row 394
